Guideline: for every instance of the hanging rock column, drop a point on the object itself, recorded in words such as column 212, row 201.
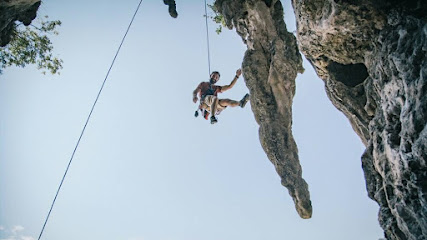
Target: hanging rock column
column 270, row 66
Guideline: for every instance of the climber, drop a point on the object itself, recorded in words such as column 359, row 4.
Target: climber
column 172, row 8
column 209, row 102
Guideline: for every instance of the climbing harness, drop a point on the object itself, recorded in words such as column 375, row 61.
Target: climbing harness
column 207, row 89
column 87, row 121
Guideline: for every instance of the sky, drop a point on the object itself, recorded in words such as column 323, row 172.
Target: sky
column 146, row 168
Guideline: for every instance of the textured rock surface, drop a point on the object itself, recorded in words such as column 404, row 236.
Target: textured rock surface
column 372, row 58
column 15, row 10
column 270, row 66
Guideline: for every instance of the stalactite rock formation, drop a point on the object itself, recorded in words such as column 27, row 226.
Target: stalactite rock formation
column 270, row 66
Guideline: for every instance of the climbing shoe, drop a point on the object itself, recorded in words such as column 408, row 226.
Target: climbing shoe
column 206, row 114
column 213, row 120
column 172, row 7
column 244, row 100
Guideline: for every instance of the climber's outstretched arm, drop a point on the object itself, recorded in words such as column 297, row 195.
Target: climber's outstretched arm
column 227, row 87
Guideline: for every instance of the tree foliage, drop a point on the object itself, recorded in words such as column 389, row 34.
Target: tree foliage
column 31, row 45
column 218, row 18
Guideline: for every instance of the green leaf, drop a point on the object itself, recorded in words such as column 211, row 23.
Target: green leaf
column 31, row 45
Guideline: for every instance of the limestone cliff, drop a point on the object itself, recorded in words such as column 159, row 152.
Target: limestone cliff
column 372, row 57
column 15, row 10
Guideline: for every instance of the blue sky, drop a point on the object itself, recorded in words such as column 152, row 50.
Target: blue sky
column 146, row 169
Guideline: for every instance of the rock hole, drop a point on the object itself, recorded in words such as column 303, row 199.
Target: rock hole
column 351, row 74
column 268, row 2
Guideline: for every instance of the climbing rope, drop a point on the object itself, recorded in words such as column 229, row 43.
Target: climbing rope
column 207, row 38
column 87, row 121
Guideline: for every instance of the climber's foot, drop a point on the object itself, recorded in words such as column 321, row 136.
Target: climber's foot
column 173, row 12
column 172, row 7
column 244, row 100
column 213, row 120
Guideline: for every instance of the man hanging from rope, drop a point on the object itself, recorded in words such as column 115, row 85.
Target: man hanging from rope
column 209, row 101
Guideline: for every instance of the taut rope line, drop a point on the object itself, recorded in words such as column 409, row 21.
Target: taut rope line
column 87, row 121
column 207, row 38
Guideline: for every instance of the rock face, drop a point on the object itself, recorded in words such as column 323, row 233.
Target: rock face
column 270, row 66
column 372, row 57
column 15, row 10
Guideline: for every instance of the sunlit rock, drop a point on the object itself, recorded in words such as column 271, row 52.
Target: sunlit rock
column 270, row 66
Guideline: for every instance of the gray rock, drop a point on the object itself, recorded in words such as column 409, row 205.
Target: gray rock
column 15, row 10
column 372, row 57
column 270, row 66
